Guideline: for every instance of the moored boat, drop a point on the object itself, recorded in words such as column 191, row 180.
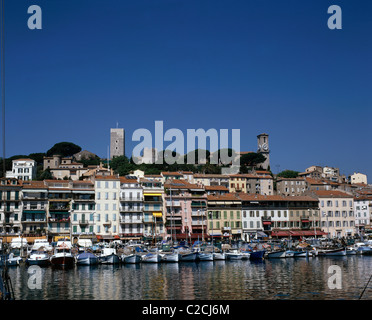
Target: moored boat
column 62, row 256
column 257, row 255
column 131, row 258
column 332, row 252
column 87, row 259
column 301, row 254
column 38, row 257
column 289, row 253
column 151, row 257
column 170, row 256
column 205, row 256
column 276, row 254
column 219, row 256
column 234, row 255
column 188, row 256
column 108, row 256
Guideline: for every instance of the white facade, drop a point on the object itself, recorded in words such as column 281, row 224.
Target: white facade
column 362, row 212
column 131, row 209
column 107, row 195
column 22, row 169
column 358, row 178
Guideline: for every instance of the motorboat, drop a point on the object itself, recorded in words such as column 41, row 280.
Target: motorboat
column 151, row 257
column 14, row 260
column 63, row 256
column 170, row 256
column 188, row 256
column 205, row 256
column 87, row 258
column 332, row 252
column 276, row 254
column 301, row 254
column 234, row 255
column 41, row 243
column 38, row 257
column 18, row 243
column 108, row 256
column 130, row 258
column 289, row 253
column 256, row 254
column 219, row 256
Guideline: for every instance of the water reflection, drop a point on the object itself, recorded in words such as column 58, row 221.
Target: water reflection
column 208, row 280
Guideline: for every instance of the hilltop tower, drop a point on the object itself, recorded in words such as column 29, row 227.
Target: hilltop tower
column 117, row 142
column 263, row 147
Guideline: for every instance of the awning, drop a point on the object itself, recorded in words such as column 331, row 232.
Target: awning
column 34, row 211
column 305, row 220
column 157, row 214
column 266, row 222
column 280, row 234
column 214, row 234
column 261, row 234
column 153, row 194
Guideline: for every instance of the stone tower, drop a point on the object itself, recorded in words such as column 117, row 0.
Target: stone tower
column 263, row 147
column 117, row 142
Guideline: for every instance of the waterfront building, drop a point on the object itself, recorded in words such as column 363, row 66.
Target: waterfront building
column 83, row 208
column 59, row 208
column 131, row 209
column 290, row 186
column 153, row 217
column 279, row 216
column 337, row 212
column 107, row 194
column 171, row 175
column 185, row 208
column 34, row 207
column 362, row 213
column 22, row 169
column 10, row 206
column 224, row 216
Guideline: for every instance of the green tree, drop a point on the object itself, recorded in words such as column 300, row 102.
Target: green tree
column 65, row 149
column 252, row 159
column 288, row 174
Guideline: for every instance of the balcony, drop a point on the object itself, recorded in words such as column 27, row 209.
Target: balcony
column 131, row 220
column 131, row 209
column 106, row 223
column 128, row 199
column 198, row 223
column 83, row 222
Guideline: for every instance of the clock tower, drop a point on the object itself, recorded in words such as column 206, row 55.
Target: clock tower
column 263, row 147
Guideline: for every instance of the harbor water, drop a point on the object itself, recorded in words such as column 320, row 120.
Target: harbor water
column 270, row 279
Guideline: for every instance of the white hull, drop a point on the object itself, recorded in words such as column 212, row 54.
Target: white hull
column 170, row 257
column 87, row 261
column 205, row 256
column 278, row 254
column 188, row 257
column 152, row 258
column 132, row 258
column 234, row 256
column 219, row 256
column 110, row 259
column 332, row 253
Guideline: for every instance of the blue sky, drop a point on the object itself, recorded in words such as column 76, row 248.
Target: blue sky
column 259, row 66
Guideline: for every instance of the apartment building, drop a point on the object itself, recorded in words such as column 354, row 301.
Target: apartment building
column 22, row 169
column 291, row 186
column 279, row 216
column 131, row 209
column 185, row 208
column 153, row 215
column 224, row 216
column 34, row 207
column 107, row 195
column 337, row 212
column 10, row 206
